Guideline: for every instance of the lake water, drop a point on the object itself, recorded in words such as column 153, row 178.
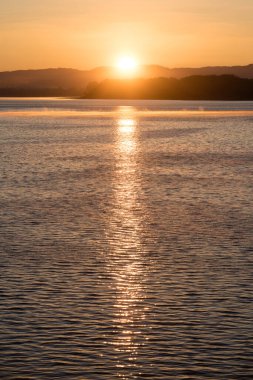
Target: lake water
column 126, row 239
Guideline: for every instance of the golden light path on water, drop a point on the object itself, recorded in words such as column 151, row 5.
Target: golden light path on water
column 126, row 261
column 126, row 243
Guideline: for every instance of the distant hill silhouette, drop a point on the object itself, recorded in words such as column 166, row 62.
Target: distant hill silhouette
column 213, row 87
column 71, row 82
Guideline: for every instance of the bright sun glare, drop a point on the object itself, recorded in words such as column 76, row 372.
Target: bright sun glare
column 127, row 65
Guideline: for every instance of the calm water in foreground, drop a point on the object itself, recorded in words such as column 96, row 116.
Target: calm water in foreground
column 126, row 240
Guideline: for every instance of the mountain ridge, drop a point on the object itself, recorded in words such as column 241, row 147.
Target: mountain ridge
column 73, row 82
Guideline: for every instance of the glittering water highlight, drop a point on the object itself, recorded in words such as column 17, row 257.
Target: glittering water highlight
column 126, row 239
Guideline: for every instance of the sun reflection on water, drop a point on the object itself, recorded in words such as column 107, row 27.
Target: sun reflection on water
column 125, row 259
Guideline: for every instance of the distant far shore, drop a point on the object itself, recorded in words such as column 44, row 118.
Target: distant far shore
column 197, row 87
column 155, row 82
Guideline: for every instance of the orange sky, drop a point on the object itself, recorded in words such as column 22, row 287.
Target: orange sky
column 88, row 33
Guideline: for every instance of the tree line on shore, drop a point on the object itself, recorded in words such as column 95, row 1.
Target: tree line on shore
column 222, row 87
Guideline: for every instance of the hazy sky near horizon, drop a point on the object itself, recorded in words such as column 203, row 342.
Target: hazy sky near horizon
column 88, row 33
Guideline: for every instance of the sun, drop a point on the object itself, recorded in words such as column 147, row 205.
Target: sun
column 127, row 65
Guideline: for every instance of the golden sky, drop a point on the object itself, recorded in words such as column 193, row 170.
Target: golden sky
column 88, row 33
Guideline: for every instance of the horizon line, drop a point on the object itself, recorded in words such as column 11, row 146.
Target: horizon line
column 112, row 67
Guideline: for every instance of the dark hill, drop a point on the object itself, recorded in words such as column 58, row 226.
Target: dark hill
column 224, row 87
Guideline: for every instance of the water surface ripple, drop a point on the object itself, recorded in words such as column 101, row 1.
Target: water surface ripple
column 126, row 240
